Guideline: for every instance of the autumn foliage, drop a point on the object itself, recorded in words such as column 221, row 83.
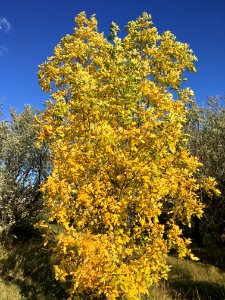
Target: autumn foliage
column 123, row 182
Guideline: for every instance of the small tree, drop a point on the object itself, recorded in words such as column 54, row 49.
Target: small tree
column 123, row 180
column 23, row 168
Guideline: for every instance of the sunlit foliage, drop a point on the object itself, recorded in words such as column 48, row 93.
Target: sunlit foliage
column 122, row 183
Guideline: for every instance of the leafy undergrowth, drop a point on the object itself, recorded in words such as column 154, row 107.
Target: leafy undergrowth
column 26, row 273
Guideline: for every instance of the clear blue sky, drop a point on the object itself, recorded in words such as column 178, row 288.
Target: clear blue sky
column 30, row 29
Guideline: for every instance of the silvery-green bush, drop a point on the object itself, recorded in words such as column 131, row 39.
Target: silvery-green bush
column 23, row 167
column 206, row 126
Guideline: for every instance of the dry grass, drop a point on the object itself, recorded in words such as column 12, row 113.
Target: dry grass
column 26, row 273
column 9, row 291
column 190, row 281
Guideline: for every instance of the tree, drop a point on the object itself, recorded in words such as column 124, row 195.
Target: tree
column 122, row 181
column 23, row 167
column 206, row 126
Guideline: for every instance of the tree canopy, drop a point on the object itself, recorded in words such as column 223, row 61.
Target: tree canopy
column 206, row 126
column 23, row 167
column 123, row 179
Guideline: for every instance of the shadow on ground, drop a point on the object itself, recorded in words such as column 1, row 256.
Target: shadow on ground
column 196, row 290
column 28, row 264
column 195, row 281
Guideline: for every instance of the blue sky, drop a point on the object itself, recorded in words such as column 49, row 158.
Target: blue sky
column 30, row 29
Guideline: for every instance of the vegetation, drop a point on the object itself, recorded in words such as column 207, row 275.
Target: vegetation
column 23, row 167
column 26, row 273
column 116, row 154
column 206, row 126
column 123, row 180
column 190, row 280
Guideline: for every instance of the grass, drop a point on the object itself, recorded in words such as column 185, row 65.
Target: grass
column 26, row 273
column 9, row 291
column 190, row 280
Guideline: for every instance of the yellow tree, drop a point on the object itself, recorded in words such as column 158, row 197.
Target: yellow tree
column 123, row 180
